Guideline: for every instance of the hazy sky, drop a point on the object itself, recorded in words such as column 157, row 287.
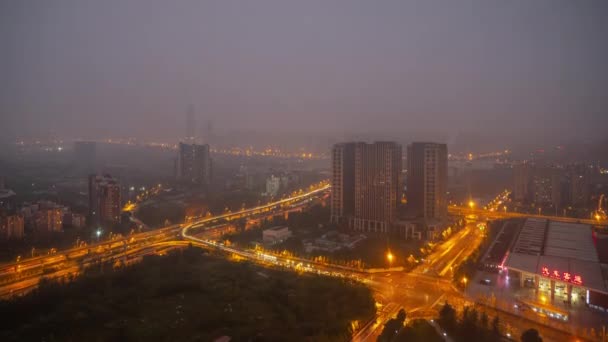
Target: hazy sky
column 514, row 68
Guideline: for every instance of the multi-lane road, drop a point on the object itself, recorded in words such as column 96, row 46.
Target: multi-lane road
column 500, row 214
column 22, row 276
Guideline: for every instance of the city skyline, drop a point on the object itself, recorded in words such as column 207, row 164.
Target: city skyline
column 320, row 170
column 117, row 69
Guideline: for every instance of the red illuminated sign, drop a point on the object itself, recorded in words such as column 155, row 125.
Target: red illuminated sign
column 564, row 276
column 545, row 271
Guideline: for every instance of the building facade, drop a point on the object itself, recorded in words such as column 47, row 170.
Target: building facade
column 342, row 182
column 193, row 164
column 366, row 185
column 427, row 178
column 273, row 185
column 11, row 227
column 104, row 199
column 522, row 182
column 275, row 235
column 48, row 220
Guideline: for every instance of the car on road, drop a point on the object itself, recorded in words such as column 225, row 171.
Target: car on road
column 486, row 281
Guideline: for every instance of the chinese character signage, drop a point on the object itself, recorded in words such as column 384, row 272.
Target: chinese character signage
column 546, row 271
column 563, row 276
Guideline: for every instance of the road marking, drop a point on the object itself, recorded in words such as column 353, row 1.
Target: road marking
column 443, row 272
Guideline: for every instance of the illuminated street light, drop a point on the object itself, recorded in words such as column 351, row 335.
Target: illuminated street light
column 390, row 257
column 471, row 204
column 464, row 281
column 597, row 217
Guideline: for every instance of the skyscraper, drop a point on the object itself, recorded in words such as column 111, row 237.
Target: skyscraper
column 365, row 185
column 104, row 199
column 343, row 182
column 522, row 182
column 427, row 177
column 193, row 163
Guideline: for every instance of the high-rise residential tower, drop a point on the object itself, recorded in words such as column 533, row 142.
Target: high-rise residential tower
column 343, row 182
column 104, row 199
column 522, row 182
column 193, row 163
column 427, row 179
column 365, row 185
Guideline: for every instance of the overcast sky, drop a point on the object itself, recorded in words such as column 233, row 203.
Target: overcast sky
column 512, row 68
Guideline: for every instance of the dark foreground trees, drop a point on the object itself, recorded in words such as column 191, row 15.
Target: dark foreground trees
column 188, row 296
column 531, row 335
column 472, row 325
column 392, row 327
column 417, row 330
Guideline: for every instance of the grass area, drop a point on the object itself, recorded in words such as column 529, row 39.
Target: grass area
column 188, row 296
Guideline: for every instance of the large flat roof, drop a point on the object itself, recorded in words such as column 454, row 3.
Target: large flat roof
column 544, row 247
column 569, row 240
column 531, row 237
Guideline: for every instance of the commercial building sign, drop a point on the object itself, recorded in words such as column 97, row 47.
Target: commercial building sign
column 563, row 276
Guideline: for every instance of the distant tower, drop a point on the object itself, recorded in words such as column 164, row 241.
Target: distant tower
column 190, row 125
column 208, row 132
column 193, row 163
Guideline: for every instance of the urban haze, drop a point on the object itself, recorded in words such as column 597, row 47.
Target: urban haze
column 303, row 170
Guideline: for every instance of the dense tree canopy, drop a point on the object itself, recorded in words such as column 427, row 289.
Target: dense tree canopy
column 188, row 296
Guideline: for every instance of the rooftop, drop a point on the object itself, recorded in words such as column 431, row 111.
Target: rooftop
column 277, row 228
column 6, row 193
column 531, row 237
column 544, row 247
column 573, row 241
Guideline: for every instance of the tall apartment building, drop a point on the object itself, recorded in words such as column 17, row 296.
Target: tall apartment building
column 427, row 178
column 104, row 199
column 579, row 188
column 365, row 185
column 522, row 182
column 343, row 182
column 193, row 163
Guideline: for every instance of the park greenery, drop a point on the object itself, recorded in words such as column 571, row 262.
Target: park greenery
column 188, row 296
